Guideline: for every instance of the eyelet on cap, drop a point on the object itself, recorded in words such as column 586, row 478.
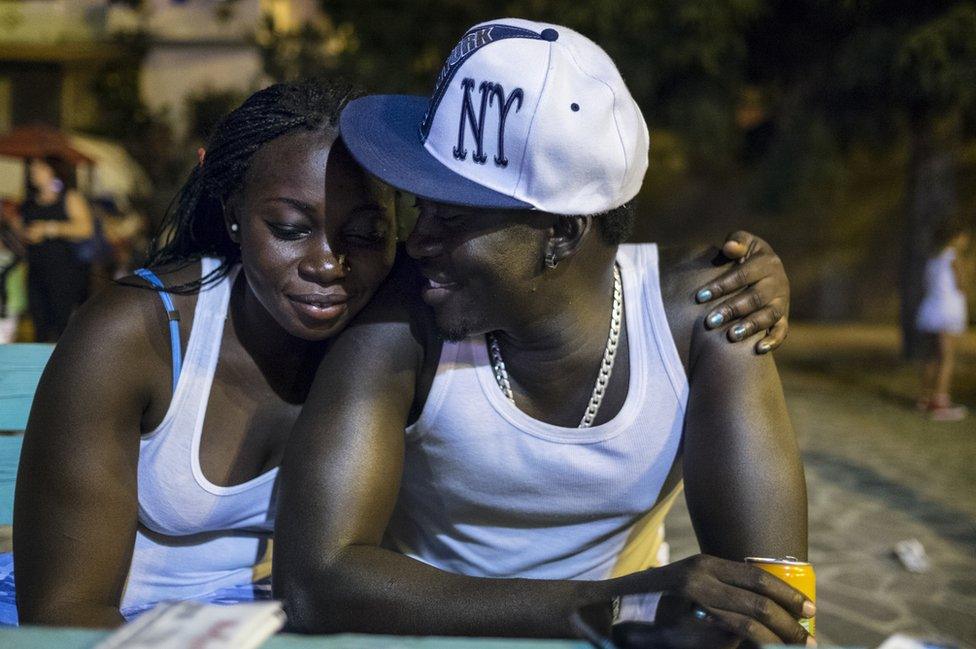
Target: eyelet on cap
column 549, row 35
column 574, row 107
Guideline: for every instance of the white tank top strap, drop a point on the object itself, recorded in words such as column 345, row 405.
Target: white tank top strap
column 439, row 388
column 646, row 259
column 203, row 346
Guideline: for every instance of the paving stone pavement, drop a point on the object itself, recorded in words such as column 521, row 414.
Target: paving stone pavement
column 877, row 472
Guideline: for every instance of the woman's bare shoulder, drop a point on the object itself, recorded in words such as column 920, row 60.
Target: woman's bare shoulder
column 127, row 321
column 121, row 314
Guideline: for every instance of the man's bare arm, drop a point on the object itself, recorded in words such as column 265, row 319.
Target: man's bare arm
column 743, row 477
column 338, row 486
column 744, row 481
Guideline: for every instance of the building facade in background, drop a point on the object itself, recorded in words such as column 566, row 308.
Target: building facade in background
column 51, row 51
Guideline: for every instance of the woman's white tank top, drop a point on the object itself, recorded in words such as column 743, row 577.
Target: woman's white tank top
column 489, row 491
column 195, row 537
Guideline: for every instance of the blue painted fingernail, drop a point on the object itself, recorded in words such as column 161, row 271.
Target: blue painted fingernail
column 715, row 320
column 738, row 331
column 703, row 295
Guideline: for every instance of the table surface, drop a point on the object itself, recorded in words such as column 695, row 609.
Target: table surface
column 36, row 637
column 31, row 637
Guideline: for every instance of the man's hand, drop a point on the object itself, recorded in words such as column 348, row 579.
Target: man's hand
column 748, row 600
column 764, row 302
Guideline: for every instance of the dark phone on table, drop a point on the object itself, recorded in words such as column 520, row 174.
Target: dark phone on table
column 592, row 623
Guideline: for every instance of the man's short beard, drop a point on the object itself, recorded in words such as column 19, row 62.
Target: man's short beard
column 454, row 334
column 460, row 329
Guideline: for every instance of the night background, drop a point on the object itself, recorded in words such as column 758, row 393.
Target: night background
column 843, row 132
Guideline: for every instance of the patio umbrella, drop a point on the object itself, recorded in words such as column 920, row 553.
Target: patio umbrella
column 38, row 140
column 115, row 172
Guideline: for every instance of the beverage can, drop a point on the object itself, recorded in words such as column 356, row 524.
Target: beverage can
column 798, row 574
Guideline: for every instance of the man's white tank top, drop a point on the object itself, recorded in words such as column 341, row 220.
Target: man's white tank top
column 489, row 491
column 195, row 537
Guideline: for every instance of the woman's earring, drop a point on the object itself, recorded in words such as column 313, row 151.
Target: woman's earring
column 234, row 228
column 551, row 260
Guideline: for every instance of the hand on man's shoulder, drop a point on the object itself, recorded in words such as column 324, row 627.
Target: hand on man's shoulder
column 683, row 270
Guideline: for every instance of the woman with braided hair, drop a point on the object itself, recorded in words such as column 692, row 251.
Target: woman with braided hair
column 150, row 459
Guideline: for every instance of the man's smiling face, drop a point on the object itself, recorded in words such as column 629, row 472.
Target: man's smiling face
column 482, row 266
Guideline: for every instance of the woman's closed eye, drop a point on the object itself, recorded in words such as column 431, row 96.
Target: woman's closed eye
column 287, row 231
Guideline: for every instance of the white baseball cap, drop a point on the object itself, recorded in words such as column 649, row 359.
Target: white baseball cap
column 523, row 115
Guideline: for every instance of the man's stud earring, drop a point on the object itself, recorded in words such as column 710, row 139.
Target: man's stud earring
column 234, row 228
column 551, row 260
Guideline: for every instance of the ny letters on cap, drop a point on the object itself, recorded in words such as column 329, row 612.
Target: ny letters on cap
column 523, row 115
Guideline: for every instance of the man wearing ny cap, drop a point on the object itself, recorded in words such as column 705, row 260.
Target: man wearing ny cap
column 555, row 386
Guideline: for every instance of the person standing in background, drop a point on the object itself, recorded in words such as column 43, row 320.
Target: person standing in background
column 55, row 219
column 943, row 317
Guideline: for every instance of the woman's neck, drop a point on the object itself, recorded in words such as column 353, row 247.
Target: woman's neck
column 288, row 363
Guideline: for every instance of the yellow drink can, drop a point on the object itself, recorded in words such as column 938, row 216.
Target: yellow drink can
column 798, row 574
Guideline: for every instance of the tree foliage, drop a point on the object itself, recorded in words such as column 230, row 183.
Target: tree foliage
column 791, row 107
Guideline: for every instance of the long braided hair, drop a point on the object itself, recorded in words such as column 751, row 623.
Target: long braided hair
column 194, row 223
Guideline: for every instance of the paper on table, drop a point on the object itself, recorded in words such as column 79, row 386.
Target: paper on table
column 177, row 625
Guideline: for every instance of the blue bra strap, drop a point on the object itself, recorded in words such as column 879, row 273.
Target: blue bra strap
column 174, row 321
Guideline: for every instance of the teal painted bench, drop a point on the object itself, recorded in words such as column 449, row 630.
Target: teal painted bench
column 21, row 365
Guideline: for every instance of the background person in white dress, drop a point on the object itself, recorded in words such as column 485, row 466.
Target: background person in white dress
column 943, row 317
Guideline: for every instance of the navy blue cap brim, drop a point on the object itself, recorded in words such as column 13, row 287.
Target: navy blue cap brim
column 383, row 134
